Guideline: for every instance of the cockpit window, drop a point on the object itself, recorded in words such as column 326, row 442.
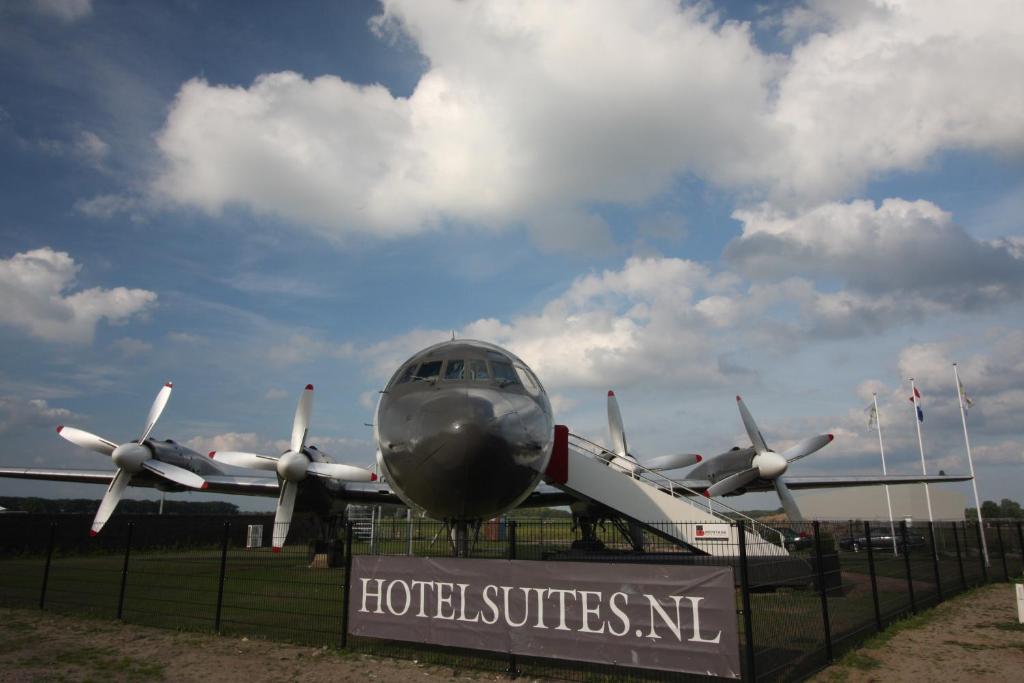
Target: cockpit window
column 478, row 370
column 504, row 373
column 525, row 378
column 456, row 369
column 407, row 374
column 428, row 371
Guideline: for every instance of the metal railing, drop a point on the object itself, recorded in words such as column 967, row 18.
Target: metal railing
column 672, row 487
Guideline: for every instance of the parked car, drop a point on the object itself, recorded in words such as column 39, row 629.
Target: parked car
column 791, row 538
column 881, row 541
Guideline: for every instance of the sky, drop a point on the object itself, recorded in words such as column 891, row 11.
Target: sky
column 799, row 202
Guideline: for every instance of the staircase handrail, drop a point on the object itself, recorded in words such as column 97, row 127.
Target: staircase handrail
column 598, row 451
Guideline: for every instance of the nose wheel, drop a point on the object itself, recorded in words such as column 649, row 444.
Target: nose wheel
column 462, row 531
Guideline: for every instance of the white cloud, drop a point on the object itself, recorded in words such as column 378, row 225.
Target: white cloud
column 898, row 259
column 299, row 348
column 106, row 206
column 34, row 287
column 20, row 415
column 91, row 147
column 65, row 10
column 185, row 338
column 132, row 347
column 231, row 441
column 340, row 449
column 572, row 231
column 887, row 84
column 644, row 323
column 524, row 111
column 528, row 111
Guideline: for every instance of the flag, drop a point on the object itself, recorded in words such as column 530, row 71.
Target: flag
column 872, row 416
column 917, row 404
column 965, row 400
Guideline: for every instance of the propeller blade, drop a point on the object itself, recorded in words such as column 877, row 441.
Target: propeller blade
column 615, row 430
column 84, row 439
column 788, row 501
column 673, row 462
column 178, row 475
column 110, row 500
column 156, row 409
column 806, row 447
column 340, row 472
column 752, row 431
column 251, row 460
column 300, row 427
column 283, row 517
column 731, row 483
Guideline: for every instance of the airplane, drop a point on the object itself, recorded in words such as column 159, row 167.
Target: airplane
column 464, row 432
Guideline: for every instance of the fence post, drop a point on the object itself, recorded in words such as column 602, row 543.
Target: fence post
column 124, row 570
column 220, row 579
column 513, row 663
column 981, row 554
column 906, row 561
column 821, row 587
column 935, row 561
column 1002, row 550
column 959, row 558
column 750, row 672
column 874, row 578
column 348, row 584
column 46, row 569
column 1020, row 539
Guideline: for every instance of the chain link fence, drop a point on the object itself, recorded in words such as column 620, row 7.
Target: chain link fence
column 836, row 584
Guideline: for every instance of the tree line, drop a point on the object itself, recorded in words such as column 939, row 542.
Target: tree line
column 1004, row 509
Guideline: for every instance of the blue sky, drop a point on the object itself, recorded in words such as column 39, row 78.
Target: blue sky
column 798, row 202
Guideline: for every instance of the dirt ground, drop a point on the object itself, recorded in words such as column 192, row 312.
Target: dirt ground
column 39, row 646
column 974, row 637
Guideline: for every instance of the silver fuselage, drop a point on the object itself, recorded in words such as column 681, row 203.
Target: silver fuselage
column 459, row 435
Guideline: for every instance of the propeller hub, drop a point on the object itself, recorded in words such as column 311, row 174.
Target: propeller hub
column 130, row 456
column 770, row 465
column 292, row 466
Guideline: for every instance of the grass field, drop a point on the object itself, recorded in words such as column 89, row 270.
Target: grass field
column 282, row 597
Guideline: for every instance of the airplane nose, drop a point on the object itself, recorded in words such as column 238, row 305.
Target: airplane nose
column 770, row 465
column 457, row 453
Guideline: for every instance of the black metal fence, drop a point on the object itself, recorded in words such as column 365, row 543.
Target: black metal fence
column 835, row 584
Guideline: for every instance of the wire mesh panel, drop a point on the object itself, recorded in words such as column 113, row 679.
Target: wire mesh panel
column 84, row 578
column 293, row 595
column 24, row 544
column 173, row 587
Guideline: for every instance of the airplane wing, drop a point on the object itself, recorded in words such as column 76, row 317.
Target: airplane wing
column 221, row 483
column 685, row 486
column 368, row 493
column 798, row 483
column 81, row 476
column 547, row 496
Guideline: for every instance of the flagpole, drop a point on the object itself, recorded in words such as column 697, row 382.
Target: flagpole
column 920, row 445
column 881, row 449
column 970, row 463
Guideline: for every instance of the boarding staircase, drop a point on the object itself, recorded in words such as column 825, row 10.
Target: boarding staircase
column 663, row 506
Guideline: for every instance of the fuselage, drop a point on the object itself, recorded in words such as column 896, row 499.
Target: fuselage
column 464, row 430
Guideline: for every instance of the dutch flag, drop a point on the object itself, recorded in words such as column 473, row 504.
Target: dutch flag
column 916, row 400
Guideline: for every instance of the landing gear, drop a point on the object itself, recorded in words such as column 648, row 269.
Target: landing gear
column 632, row 532
column 460, row 536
